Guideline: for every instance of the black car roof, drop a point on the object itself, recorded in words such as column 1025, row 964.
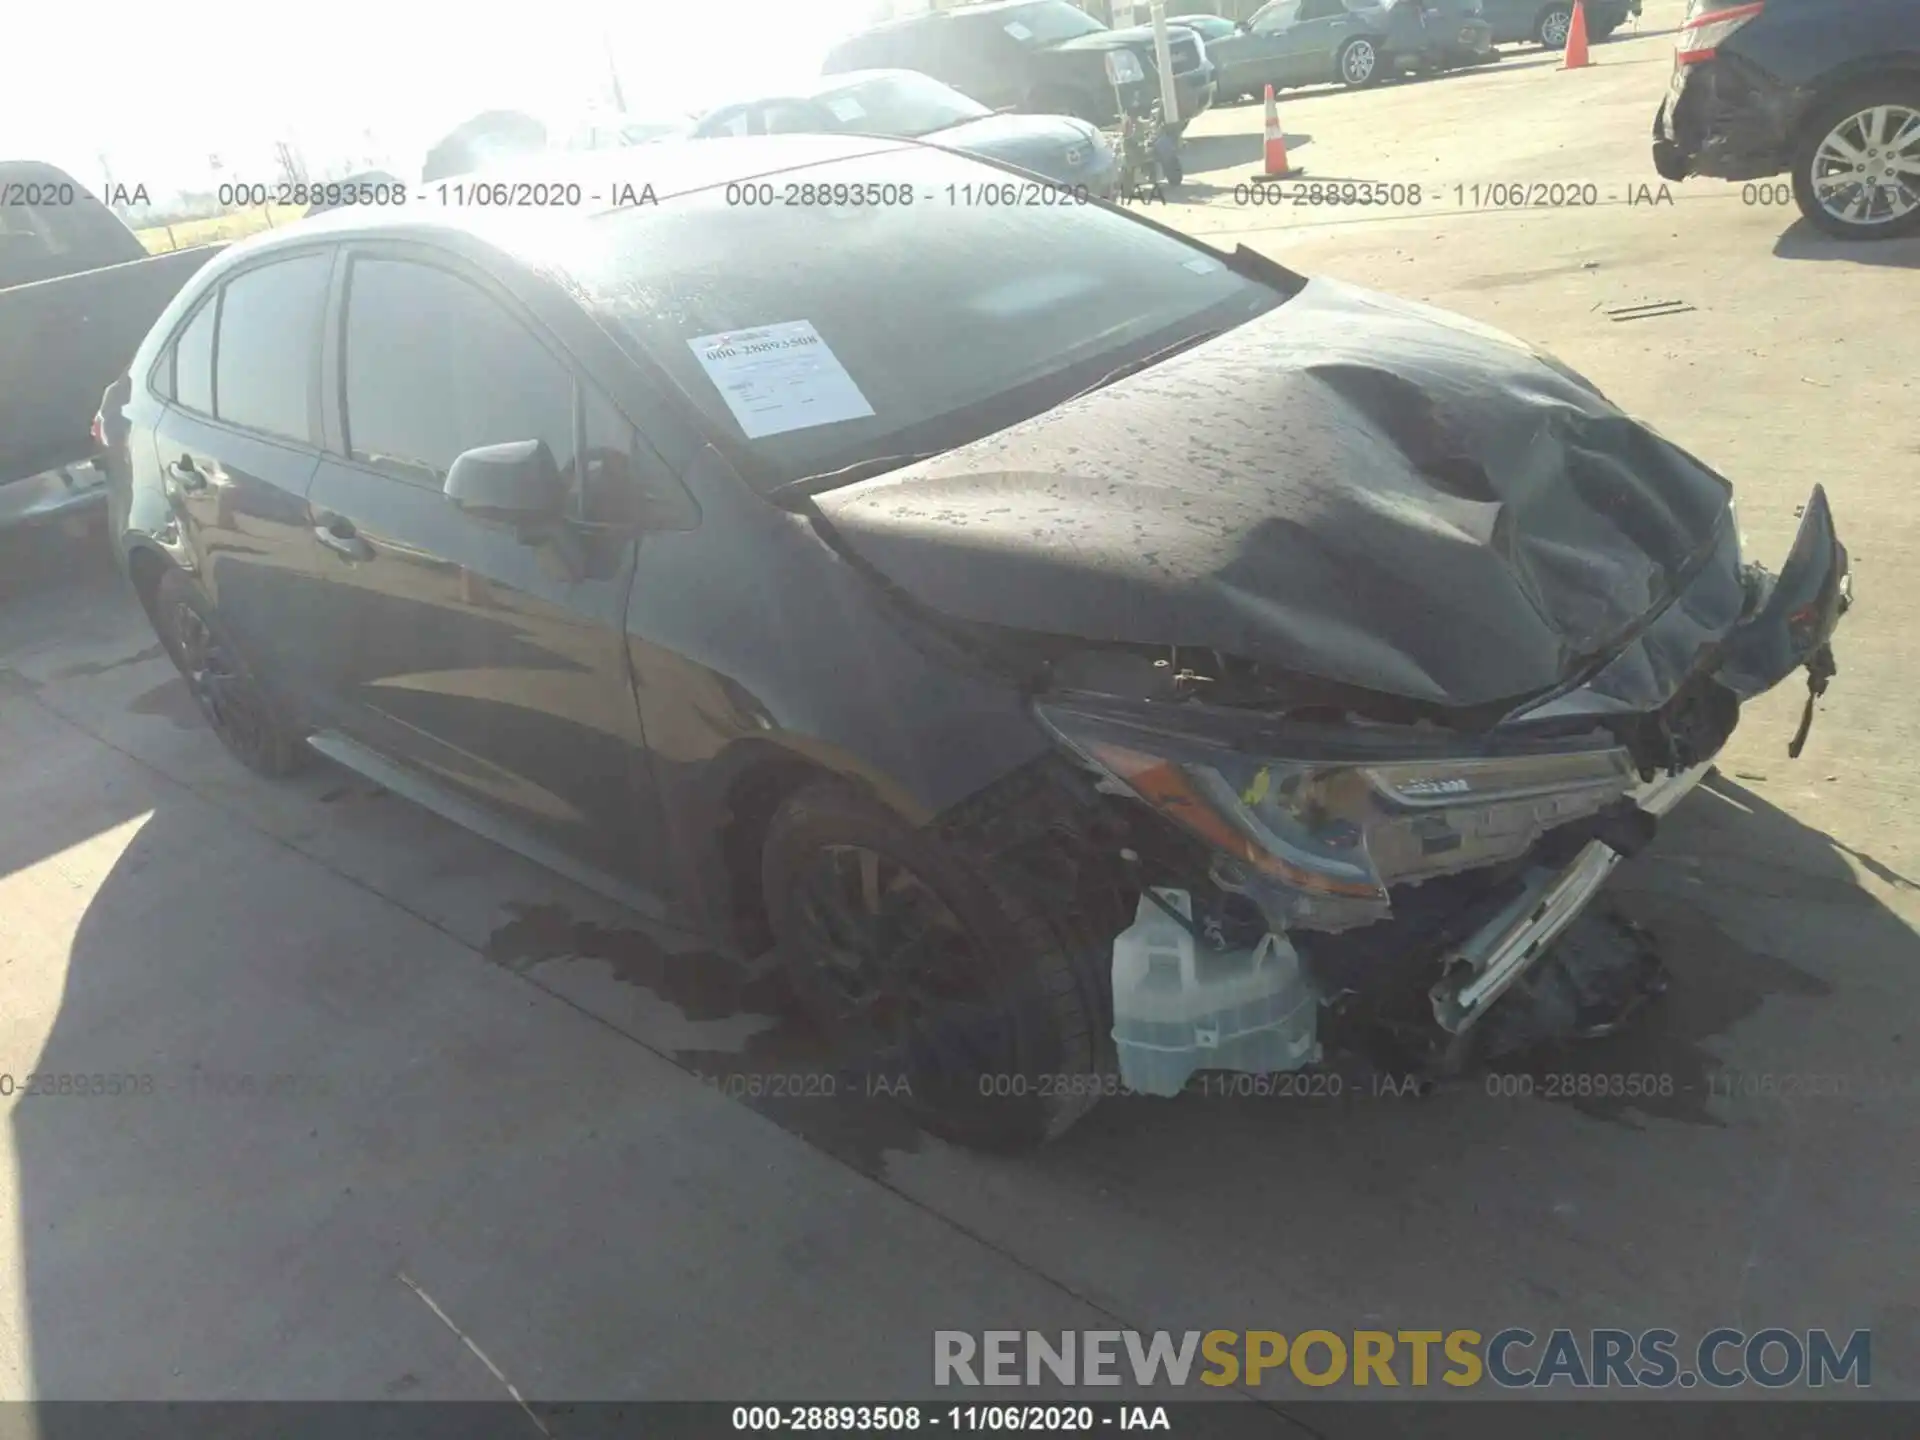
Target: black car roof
column 606, row 179
column 819, row 86
column 950, row 12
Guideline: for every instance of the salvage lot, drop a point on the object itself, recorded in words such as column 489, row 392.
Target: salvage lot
column 472, row 1075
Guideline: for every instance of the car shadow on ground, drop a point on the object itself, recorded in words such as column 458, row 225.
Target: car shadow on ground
column 39, row 558
column 1803, row 240
column 1204, row 154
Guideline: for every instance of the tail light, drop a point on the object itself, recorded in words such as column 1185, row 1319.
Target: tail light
column 1706, row 29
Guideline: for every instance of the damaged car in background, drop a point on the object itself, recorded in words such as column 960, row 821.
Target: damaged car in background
column 1078, row 656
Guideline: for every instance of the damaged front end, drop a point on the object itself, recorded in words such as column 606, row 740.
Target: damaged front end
column 1416, row 871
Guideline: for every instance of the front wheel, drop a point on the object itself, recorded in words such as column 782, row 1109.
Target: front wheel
column 1856, row 169
column 1553, row 27
column 229, row 697
column 1359, row 63
column 926, row 968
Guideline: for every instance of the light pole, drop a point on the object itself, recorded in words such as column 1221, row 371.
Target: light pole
column 1163, row 60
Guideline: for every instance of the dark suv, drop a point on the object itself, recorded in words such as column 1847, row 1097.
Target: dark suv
column 1044, row 56
column 1828, row 90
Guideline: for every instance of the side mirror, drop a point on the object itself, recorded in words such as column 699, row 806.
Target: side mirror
column 516, row 485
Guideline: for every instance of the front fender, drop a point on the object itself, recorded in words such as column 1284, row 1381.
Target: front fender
column 1798, row 610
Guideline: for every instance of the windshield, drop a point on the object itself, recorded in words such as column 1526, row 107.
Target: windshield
column 1047, row 23
column 817, row 336
column 901, row 103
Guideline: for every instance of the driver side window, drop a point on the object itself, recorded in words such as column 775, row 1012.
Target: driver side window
column 435, row 367
column 1275, row 18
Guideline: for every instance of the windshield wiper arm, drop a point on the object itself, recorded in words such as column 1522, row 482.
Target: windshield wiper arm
column 809, row 485
column 1135, row 366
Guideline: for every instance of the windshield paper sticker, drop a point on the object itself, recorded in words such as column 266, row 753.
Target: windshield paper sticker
column 845, row 107
column 780, row 377
column 1017, row 30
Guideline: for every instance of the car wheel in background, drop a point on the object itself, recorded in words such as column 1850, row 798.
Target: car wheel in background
column 1856, row 169
column 1359, row 63
column 224, row 690
column 1553, row 26
column 918, row 965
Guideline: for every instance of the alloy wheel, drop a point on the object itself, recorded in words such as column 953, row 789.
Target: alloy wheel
column 1555, row 29
column 891, row 963
column 221, row 690
column 1357, row 63
column 1866, row 172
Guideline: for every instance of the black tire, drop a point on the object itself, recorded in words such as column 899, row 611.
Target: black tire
column 1005, row 1058
column 1348, row 62
column 232, row 701
column 1890, row 90
column 1554, row 20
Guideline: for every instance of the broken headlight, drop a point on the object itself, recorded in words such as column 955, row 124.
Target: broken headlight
column 1317, row 826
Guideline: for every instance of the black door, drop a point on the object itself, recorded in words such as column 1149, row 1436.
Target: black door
column 238, row 446
column 491, row 662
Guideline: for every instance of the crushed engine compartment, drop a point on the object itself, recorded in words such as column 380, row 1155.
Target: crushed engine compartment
column 1387, row 990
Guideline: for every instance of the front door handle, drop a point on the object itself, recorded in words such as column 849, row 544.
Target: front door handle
column 336, row 532
column 183, row 472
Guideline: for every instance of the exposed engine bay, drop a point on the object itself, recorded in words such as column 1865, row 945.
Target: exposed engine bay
column 1405, row 868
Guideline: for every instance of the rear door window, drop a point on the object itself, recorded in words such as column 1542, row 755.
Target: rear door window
column 269, row 344
column 193, row 362
column 435, row 366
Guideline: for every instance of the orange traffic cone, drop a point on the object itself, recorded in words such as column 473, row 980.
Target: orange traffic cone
column 1276, row 155
column 1577, row 39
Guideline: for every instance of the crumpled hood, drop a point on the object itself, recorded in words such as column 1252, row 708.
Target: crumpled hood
column 1350, row 487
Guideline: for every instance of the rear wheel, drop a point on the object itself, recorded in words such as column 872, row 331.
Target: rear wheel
column 224, row 690
column 1856, row 169
column 920, row 965
column 1553, row 26
column 1359, row 63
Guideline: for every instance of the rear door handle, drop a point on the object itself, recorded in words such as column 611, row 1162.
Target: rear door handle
column 189, row 478
column 336, row 532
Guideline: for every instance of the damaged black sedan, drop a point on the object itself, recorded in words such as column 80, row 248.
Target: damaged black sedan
column 1079, row 655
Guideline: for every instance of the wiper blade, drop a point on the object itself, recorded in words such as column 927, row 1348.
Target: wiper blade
column 809, row 485
column 1135, row 366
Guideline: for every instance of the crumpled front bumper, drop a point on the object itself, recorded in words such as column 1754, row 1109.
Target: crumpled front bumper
column 1789, row 627
column 1480, row 970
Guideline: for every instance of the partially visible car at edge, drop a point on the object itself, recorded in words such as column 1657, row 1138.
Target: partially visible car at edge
column 906, row 105
column 1825, row 90
column 77, row 292
column 1043, row 56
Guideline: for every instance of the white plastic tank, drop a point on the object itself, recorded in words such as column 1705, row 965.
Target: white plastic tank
column 1179, row 1006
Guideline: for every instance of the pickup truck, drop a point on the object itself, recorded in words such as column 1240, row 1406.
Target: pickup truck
column 78, row 293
